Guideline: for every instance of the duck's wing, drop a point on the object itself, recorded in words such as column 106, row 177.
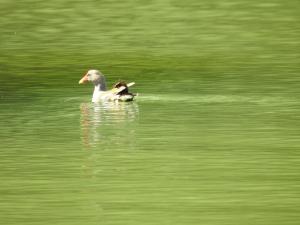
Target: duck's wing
column 122, row 88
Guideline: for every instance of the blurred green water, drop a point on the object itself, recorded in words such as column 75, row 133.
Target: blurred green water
column 213, row 137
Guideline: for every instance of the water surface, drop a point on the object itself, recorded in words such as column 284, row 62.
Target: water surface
column 212, row 138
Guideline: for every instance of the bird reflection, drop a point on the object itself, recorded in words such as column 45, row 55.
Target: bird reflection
column 106, row 129
column 107, row 123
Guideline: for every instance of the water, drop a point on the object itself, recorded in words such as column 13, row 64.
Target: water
column 212, row 138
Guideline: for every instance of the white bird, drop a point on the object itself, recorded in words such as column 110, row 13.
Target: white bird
column 118, row 93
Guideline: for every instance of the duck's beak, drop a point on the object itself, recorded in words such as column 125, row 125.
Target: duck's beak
column 84, row 79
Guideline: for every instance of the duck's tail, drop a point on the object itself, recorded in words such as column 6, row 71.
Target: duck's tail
column 121, row 88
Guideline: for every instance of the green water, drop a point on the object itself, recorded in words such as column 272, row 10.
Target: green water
column 212, row 138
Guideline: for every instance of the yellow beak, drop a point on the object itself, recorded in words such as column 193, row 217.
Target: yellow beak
column 84, row 79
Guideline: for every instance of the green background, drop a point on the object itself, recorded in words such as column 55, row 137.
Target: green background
column 212, row 138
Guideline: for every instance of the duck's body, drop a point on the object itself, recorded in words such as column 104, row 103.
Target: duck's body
column 118, row 93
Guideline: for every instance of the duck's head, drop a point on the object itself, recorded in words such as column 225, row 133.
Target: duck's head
column 94, row 76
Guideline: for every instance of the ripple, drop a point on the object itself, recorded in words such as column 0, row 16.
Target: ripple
column 217, row 99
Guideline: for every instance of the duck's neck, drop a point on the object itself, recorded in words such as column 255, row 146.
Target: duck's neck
column 100, row 84
column 100, row 87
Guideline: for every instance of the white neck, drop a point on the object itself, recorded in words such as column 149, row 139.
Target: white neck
column 99, row 90
column 100, row 87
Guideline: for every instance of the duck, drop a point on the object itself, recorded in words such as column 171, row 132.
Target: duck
column 119, row 92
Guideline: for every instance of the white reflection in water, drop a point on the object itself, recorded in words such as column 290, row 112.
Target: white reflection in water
column 107, row 122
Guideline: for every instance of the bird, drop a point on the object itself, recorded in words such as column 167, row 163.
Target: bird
column 119, row 92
